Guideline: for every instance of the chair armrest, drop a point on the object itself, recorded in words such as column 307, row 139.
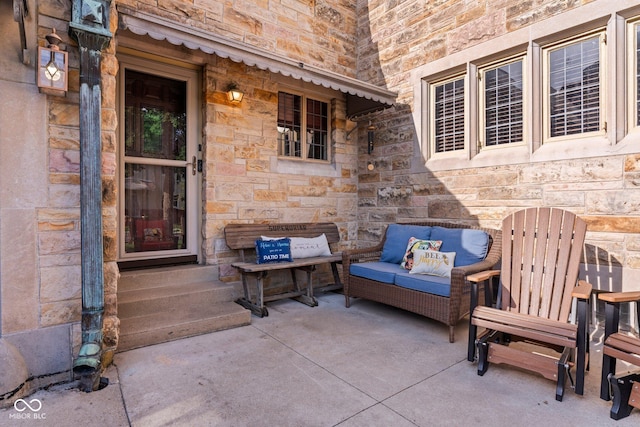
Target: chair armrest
column 618, row 297
column 483, row 275
column 582, row 291
column 361, row 255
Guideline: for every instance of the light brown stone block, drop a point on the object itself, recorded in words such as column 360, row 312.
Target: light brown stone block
column 613, row 224
column 60, row 283
column 53, row 242
column 56, row 225
column 19, row 275
column 57, row 313
column 269, row 196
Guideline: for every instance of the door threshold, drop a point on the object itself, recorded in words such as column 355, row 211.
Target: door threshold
column 157, row 262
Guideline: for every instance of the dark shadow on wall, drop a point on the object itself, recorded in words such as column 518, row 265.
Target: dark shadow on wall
column 400, row 187
column 394, row 185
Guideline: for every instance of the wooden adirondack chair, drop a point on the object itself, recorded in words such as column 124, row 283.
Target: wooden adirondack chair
column 529, row 327
column 625, row 389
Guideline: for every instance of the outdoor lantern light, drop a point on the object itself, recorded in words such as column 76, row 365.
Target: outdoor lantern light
column 370, row 130
column 52, row 66
column 234, row 94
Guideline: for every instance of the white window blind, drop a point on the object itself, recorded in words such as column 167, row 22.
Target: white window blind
column 449, row 116
column 503, row 121
column 574, row 88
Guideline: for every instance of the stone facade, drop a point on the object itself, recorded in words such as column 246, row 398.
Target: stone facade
column 386, row 43
column 396, row 40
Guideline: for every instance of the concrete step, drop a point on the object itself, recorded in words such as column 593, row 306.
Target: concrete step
column 152, row 278
column 155, row 328
column 139, row 302
column 159, row 305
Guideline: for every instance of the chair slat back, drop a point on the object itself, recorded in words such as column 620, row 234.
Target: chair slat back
column 541, row 255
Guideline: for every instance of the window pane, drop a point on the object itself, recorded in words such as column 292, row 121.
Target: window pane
column 317, row 129
column 503, row 104
column 289, row 124
column 155, row 117
column 449, row 116
column 155, row 203
column 574, row 88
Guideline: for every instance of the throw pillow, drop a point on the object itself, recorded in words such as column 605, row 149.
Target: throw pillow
column 273, row 251
column 413, row 245
column 396, row 240
column 433, row 263
column 306, row 247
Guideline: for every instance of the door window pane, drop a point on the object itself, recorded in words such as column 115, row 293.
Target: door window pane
column 155, row 205
column 155, row 117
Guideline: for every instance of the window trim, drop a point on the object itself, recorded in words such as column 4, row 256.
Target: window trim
column 546, row 108
column 303, row 126
column 620, row 136
column 632, row 98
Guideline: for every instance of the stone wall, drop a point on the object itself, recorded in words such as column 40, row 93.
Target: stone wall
column 315, row 32
column 41, row 249
column 398, row 38
column 246, row 182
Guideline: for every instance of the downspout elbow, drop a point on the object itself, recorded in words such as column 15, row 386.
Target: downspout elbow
column 88, row 360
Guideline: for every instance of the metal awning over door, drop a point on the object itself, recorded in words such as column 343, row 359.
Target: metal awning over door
column 362, row 97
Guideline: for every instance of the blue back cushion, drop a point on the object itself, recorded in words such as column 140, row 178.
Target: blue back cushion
column 273, row 250
column 397, row 239
column 470, row 246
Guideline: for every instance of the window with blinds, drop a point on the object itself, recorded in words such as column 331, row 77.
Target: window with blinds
column 448, row 116
column 502, row 97
column 574, row 88
column 296, row 113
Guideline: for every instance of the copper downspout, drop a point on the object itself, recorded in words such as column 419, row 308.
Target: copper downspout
column 90, row 28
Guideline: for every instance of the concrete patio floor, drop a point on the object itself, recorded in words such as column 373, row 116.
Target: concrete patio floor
column 369, row 365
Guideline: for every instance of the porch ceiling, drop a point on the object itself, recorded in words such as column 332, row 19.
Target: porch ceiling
column 362, row 97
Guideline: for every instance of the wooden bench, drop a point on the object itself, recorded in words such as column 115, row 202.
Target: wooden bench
column 243, row 237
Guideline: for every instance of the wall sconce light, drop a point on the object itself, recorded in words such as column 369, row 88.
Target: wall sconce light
column 234, row 94
column 370, row 165
column 370, row 135
column 53, row 67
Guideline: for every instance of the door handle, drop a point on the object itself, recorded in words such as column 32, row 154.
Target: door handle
column 194, row 165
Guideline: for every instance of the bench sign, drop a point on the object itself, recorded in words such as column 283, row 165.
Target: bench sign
column 273, row 250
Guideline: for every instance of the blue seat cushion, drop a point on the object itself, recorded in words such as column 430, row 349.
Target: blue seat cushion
column 470, row 246
column 393, row 274
column 398, row 236
column 425, row 283
column 380, row 271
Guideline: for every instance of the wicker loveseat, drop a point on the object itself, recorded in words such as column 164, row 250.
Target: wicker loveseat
column 375, row 273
